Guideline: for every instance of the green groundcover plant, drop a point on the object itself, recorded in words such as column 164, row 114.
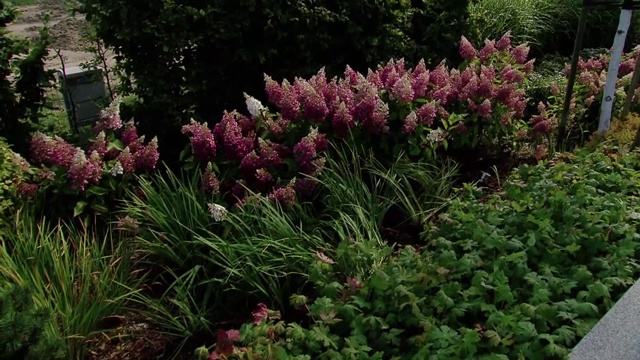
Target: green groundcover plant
column 523, row 274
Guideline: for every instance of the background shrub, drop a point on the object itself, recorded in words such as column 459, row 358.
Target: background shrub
column 22, row 326
column 23, row 80
column 13, row 170
column 186, row 58
column 621, row 134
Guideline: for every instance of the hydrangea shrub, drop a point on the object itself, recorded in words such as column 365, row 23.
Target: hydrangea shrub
column 104, row 167
column 394, row 109
column 587, row 94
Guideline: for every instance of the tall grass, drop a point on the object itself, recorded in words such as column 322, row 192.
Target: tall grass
column 260, row 252
column 528, row 20
column 357, row 184
column 549, row 25
column 73, row 272
column 359, row 192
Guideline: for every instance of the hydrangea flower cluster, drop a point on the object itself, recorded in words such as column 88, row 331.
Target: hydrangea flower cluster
column 393, row 99
column 87, row 167
column 588, row 90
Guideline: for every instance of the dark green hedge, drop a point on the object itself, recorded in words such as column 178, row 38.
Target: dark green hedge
column 197, row 58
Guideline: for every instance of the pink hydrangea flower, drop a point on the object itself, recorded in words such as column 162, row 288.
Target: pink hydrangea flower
column 410, row 123
column 315, row 107
column 439, row 76
column 147, row 156
column 488, row 50
column 127, row 161
column 377, row 122
column 484, row 109
column 26, row 190
column 504, row 42
column 284, row 196
column 342, row 120
column 250, row 163
column 289, row 104
column 511, row 75
column 260, row 314
column 99, row 145
column 54, row 151
column 83, row 171
column 467, row 51
column 202, row 141
column 305, row 152
column 229, row 133
column 210, row 181
column 427, row 113
column 402, row 90
column 351, row 76
column 520, row 53
column 129, row 134
column 273, row 89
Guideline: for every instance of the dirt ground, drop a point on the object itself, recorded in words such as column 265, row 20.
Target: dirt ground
column 66, row 30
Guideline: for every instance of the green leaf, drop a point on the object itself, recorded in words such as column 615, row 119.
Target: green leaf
column 493, row 337
column 97, row 190
column 380, row 281
column 79, row 208
column 99, row 208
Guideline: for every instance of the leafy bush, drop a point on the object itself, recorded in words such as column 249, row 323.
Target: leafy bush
column 521, row 274
column 88, row 181
column 23, row 80
column 22, row 326
column 197, row 59
column 476, row 109
column 621, row 135
column 79, row 277
column 13, row 170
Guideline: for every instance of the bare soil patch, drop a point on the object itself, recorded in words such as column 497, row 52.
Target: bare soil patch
column 66, row 30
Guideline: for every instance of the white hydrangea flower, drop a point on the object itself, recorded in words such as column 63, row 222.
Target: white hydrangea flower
column 435, row 135
column 254, row 105
column 112, row 110
column 117, row 169
column 218, row 212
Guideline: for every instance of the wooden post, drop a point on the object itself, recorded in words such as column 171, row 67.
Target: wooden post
column 572, row 75
column 631, row 91
column 612, row 73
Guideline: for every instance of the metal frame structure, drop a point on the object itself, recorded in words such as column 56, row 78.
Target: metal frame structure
column 586, row 6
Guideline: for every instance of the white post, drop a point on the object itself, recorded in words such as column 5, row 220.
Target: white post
column 612, row 74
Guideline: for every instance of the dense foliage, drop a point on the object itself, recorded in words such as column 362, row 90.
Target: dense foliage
column 523, row 274
column 13, row 170
column 622, row 133
column 23, row 80
column 22, row 326
column 326, row 204
column 197, row 59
